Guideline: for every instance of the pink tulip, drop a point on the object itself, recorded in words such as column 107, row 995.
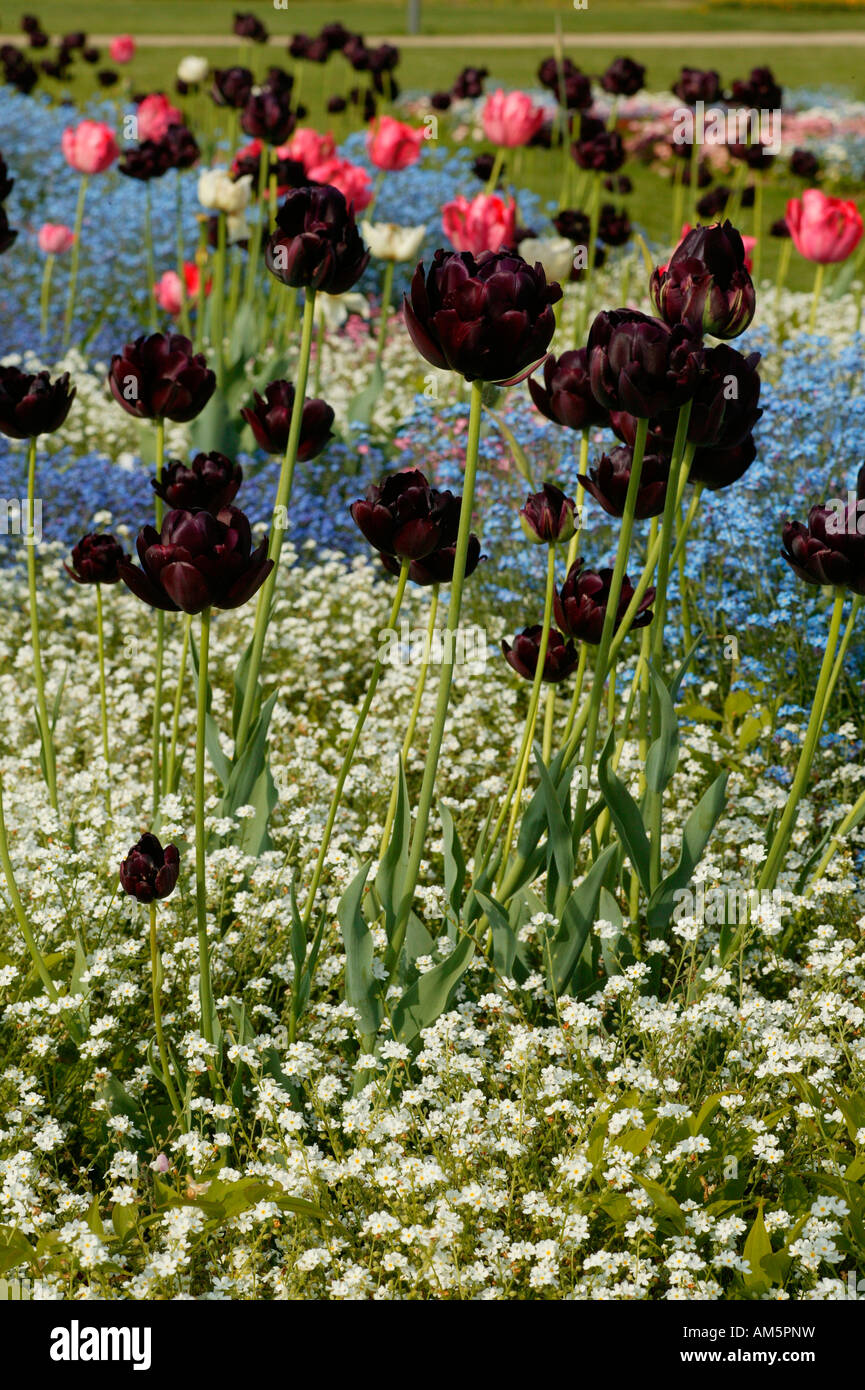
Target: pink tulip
column 511, row 118
column 823, row 229
column 308, row 147
column 484, row 224
column 155, row 114
column 89, row 147
column 54, row 238
column 167, row 288
column 122, row 49
column 353, row 182
column 392, row 144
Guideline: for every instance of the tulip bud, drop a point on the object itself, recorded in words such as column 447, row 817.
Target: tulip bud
column 608, row 482
column 160, row 377
column 566, row 396
column 706, row 284
column 580, row 605
column 149, row 871
column 208, row 484
column 560, row 660
column 31, row 403
column 548, row 516
column 826, row 552
column 270, row 421
column 96, row 559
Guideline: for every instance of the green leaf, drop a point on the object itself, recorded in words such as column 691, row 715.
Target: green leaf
column 560, row 845
column 664, row 1201
column 391, row 871
column 454, row 860
column 124, row 1218
column 15, row 1249
column 241, row 679
column 758, row 1247
column 518, row 453
column 504, row 937
column 609, row 911
column 625, row 814
column 577, row 921
column 361, row 406
column 361, row 986
column 663, row 756
column 428, row 997
column 695, row 836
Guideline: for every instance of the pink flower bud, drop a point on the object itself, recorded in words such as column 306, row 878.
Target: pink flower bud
column 54, row 238
column 90, row 147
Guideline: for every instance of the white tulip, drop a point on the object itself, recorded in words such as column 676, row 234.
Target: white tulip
column 217, row 190
column 556, row 255
column 193, row 69
column 389, row 242
column 332, row 310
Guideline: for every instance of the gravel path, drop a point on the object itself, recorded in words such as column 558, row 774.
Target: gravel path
column 674, row 39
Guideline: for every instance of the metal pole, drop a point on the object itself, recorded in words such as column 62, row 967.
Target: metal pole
column 413, row 18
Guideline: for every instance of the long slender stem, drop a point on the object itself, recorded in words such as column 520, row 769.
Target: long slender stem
column 148, row 252
column 446, row 674
column 815, row 298
column 386, row 292
column 670, row 511
column 601, row 664
column 352, row 749
column 168, row 782
column 413, row 717
column 103, row 697
column 217, row 301
column 30, row 543
column 205, row 990
column 278, row 525
column 18, row 908
column 160, row 639
column 534, row 701
column 156, row 990
column 73, row 268
column 181, row 274
column 254, row 256
column 781, row 840
column 45, row 296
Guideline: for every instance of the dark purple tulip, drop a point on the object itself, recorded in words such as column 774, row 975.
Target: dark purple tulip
column 560, row 660
column 269, row 418
column 756, row 156
column 96, row 558
column 489, row 319
column 107, row 77
column 232, row 86
column 404, row 516
column 712, row 204
column 316, row 243
column 624, row 77
column 7, row 233
column 355, row 52
column 608, row 482
column 181, row 147
column 438, row 566
column 640, row 364
column 268, row 116
column 551, row 70
column 720, row 468
column 696, row 84
column 598, row 149
column 31, row 403
column 470, row 83
column 804, row 164
column 337, row 104
column 317, row 50
column 6, row 184
column 149, row 160
column 91, row 55
column 160, row 377
column 724, row 409
column 573, row 224
column 780, row 228
column 298, row 44
column 574, row 92
column 248, row 26
column 77, row 39
column 482, row 167
column 335, row 35
column 548, row 516
column 209, row 483
column 384, row 58
column 828, row 550
column 149, row 871
column 614, row 225
column 197, row 561
column 30, row 24
column 705, row 284
column 441, row 101
column 566, row 396
column 581, row 604
column 759, row 92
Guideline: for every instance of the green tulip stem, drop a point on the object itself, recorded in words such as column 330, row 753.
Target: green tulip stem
column 185, row 326
column 42, row 707
column 781, row 839
column 534, row 701
column 671, row 504
column 582, row 321
column 178, row 705
column 413, row 717
column 156, row 985
column 386, row 294
column 495, row 171
column 18, row 908
column 758, row 224
column 815, row 300
column 254, row 257
column 205, row 990
column 676, row 226
column 103, row 697
column 319, row 355
column 602, row 664
column 217, row 301
column 278, row 525
column 201, row 260
column 73, row 267
column 574, row 543
column 445, row 677
column 352, row 749
column 694, row 186
column 45, row 296
column 160, row 637
column 549, row 725
column 148, row 253
column 783, row 268
column 577, row 695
